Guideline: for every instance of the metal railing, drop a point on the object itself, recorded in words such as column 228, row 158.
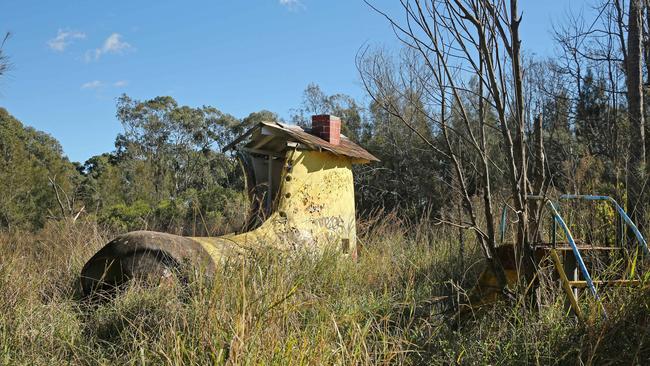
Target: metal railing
column 574, row 247
column 621, row 213
column 559, row 220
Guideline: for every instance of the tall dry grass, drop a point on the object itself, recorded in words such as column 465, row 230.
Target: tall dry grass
column 394, row 306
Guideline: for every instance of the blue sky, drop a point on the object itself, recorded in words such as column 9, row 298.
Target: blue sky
column 73, row 58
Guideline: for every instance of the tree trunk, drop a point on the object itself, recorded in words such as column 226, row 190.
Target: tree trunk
column 526, row 254
column 637, row 152
column 538, row 179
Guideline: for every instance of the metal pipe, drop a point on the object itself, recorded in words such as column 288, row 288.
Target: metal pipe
column 574, row 248
column 639, row 237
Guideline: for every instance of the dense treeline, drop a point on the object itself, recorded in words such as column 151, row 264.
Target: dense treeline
column 168, row 173
column 32, row 171
column 446, row 140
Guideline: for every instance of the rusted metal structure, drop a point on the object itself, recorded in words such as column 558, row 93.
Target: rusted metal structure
column 571, row 258
column 301, row 190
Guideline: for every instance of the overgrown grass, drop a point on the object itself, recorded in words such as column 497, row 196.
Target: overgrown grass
column 394, row 306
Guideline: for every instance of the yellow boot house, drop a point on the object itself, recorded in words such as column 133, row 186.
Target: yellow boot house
column 301, row 191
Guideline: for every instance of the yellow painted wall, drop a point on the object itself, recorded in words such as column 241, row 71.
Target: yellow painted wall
column 314, row 209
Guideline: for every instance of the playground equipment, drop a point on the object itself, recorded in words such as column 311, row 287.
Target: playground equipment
column 302, row 198
column 571, row 258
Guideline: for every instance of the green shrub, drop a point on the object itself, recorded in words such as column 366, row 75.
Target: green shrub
column 123, row 217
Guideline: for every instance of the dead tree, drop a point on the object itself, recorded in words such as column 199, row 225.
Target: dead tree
column 66, row 203
column 448, row 44
column 613, row 44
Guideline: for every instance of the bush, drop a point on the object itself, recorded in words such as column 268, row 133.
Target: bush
column 123, row 217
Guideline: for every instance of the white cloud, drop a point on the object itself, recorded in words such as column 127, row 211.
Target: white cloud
column 112, row 44
column 292, row 4
column 95, row 84
column 63, row 39
column 98, row 84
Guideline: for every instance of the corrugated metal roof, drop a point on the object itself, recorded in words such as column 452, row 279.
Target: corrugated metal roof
column 299, row 135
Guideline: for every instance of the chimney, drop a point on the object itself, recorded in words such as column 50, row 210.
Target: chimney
column 326, row 127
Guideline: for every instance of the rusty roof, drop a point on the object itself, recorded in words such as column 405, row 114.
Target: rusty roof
column 296, row 134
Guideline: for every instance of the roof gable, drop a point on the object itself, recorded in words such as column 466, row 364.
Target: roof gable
column 272, row 137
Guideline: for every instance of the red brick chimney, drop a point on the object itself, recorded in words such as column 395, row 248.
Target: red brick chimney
column 327, row 127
